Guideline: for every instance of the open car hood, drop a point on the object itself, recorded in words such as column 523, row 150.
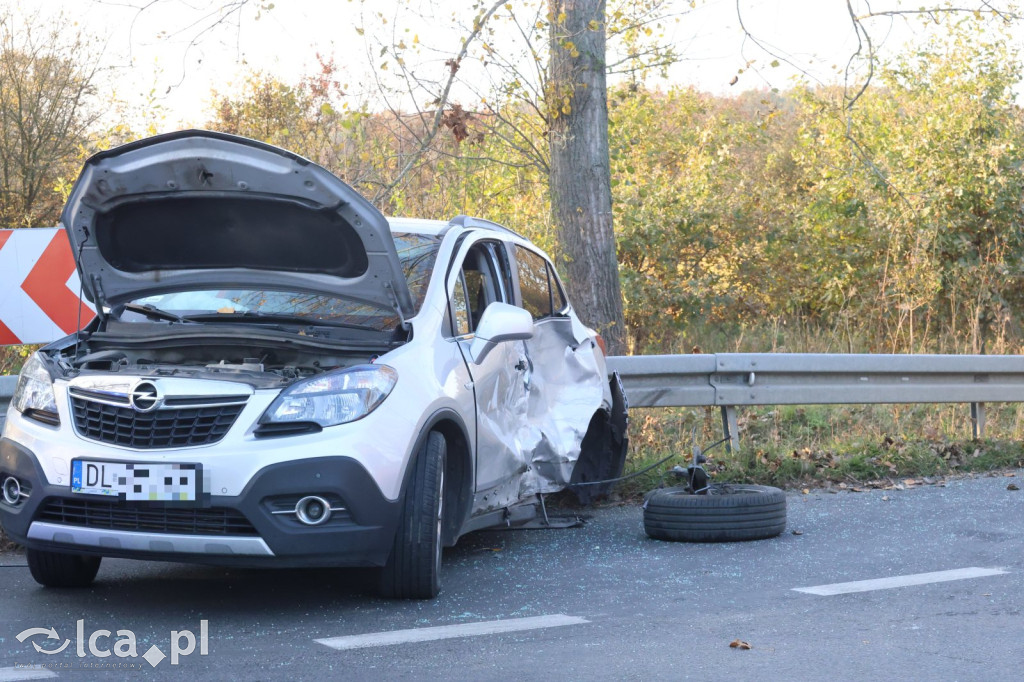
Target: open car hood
column 203, row 210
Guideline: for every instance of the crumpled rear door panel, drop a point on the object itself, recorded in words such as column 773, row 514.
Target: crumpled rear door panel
column 566, row 387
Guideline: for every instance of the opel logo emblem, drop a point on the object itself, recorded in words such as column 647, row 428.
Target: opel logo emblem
column 145, row 397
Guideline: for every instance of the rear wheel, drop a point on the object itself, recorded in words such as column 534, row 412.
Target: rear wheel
column 727, row 513
column 56, row 569
column 413, row 570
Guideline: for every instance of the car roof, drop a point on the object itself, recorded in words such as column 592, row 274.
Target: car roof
column 418, row 225
column 438, row 227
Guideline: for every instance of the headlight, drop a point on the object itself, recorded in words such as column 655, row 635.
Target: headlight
column 34, row 395
column 333, row 398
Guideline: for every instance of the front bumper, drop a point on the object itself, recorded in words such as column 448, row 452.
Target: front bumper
column 221, row 529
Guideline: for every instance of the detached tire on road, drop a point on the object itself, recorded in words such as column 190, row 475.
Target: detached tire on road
column 728, row 513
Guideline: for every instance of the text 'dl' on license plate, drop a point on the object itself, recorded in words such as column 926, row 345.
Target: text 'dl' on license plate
column 155, row 482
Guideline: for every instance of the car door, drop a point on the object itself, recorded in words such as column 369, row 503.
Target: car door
column 499, row 382
column 566, row 386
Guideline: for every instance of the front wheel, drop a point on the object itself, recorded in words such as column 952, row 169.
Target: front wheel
column 56, row 569
column 413, row 570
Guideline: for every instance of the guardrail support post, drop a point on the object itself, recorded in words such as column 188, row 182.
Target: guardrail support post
column 977, row 420
column 730, row 431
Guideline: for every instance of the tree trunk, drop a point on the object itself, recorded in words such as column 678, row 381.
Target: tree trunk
column 580, row 177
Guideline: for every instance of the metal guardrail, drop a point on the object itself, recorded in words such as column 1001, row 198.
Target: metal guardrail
column 731, row 380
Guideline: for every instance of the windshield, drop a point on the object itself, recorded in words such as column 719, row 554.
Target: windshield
column 417, row 253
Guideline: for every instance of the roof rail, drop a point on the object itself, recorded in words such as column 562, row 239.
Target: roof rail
column 468, row 221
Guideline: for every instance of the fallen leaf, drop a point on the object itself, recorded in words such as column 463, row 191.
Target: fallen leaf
column 806, row 491
column 798, row 532
column 1012, row 486
column 885, row 498
column 739, row 644
column 1009, row 475
column 909, row 481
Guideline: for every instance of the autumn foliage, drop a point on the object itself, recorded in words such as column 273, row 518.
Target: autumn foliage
column 765, row 221
column 758, row 222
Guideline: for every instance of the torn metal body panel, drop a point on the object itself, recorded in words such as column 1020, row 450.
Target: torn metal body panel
column 604, row 448
column 566, row 389
column 535, row 397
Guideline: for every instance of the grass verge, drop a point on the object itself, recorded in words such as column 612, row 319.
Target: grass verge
column 818, row 446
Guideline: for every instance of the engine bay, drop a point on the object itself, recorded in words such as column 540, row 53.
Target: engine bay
column 258, row 363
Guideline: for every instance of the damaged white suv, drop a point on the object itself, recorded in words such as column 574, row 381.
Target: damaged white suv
column 280, row 375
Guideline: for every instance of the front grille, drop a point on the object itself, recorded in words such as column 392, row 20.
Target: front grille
column 114, row 516
column 167, row 428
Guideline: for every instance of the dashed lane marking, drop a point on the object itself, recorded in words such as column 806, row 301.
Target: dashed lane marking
column 492, row 627
column 901, row 581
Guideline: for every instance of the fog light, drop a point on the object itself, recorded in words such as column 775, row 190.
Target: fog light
column 12, row 490
column 311, row 510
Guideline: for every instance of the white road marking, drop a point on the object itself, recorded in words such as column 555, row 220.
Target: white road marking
column 19, row 674
column 901, row 581
column 491, row 627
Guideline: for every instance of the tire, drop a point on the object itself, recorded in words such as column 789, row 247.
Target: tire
column 56, row 569
column 728, row 513
column 413, row 570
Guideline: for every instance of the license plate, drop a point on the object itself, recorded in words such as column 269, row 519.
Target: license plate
column 135, row 481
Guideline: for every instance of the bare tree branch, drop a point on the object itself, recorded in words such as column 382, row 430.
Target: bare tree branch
column 984, row 6
column 863, row 39
column 767, row 49
column 435, row 126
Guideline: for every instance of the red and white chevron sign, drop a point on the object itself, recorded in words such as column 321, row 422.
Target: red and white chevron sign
column 38, row 286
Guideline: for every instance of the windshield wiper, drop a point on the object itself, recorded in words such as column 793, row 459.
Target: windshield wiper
column 253, row 316
column 152, row 312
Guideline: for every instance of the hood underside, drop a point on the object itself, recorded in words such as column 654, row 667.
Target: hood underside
column 201, row 210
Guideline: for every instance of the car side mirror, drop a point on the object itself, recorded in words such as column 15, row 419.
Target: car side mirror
column 500, row 322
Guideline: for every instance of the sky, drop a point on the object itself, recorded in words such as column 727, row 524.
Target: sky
column 171, row 54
